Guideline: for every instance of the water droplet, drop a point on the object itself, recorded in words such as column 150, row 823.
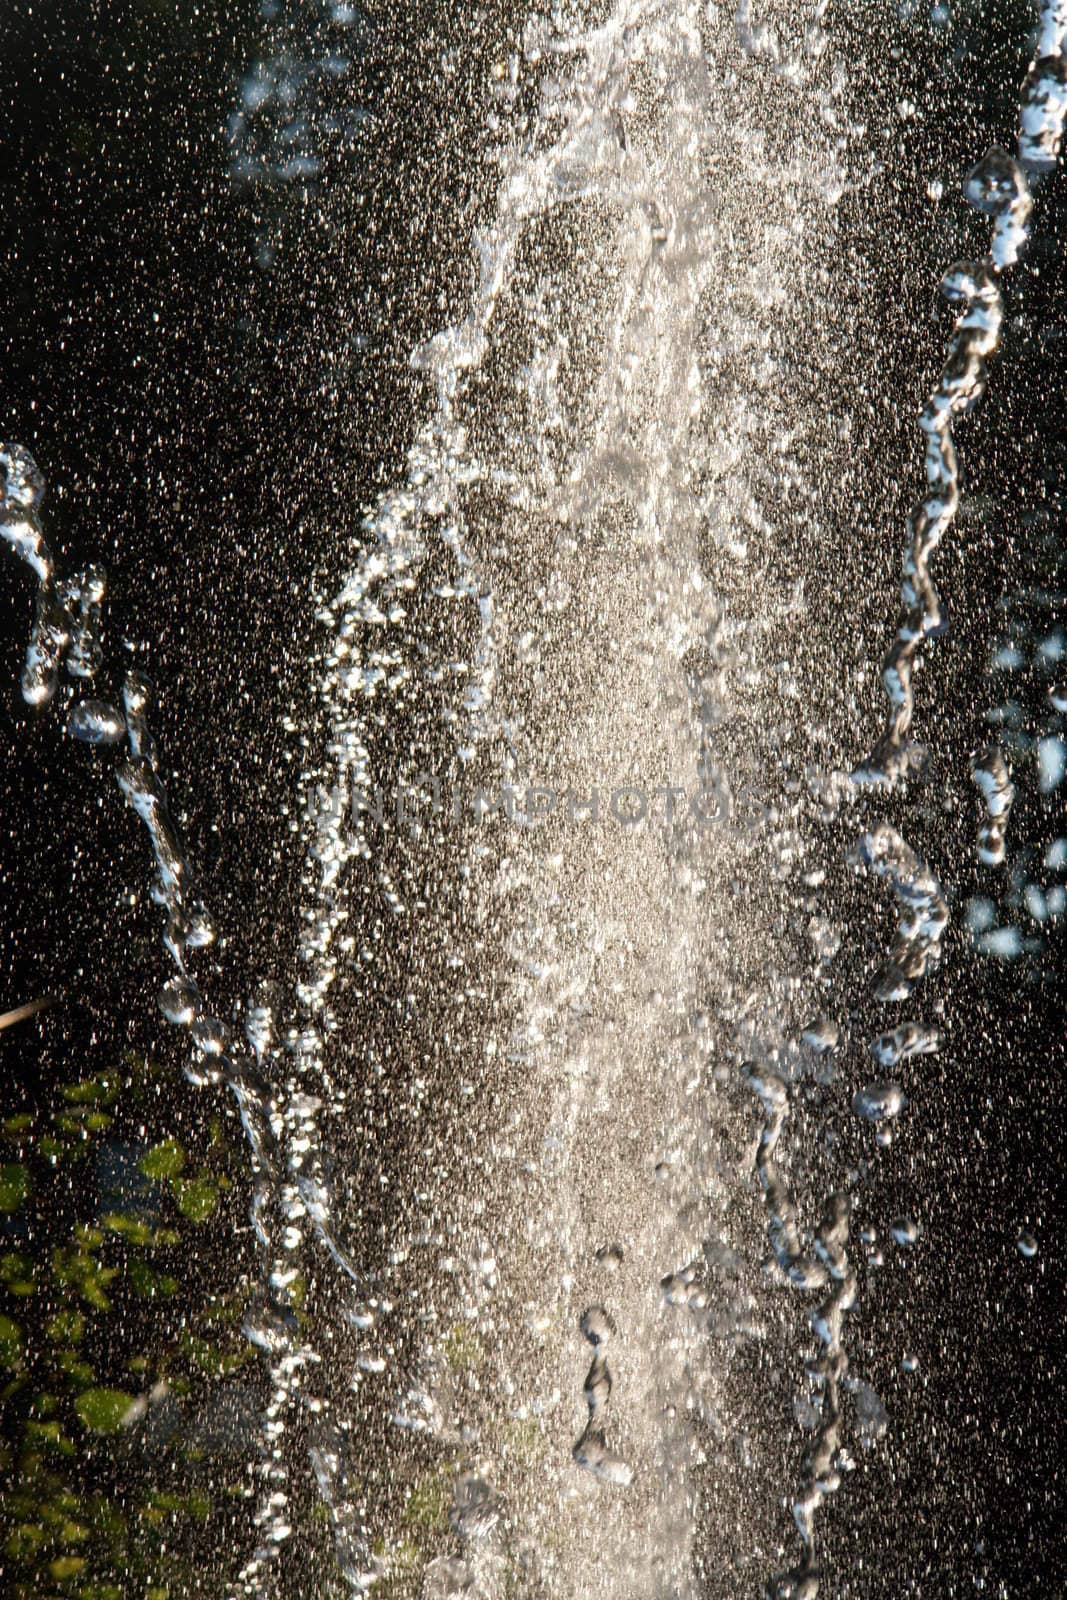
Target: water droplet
column 879, row 1102
column 821, row 1036
column 96, row 722
column 179, row 1001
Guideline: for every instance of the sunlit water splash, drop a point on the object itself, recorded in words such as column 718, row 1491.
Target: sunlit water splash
column 564, row 589
column 619, row 467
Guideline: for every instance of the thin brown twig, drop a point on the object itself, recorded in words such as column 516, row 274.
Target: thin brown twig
column 9, row 1018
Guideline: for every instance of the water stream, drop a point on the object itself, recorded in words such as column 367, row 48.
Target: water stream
column 606, row 1138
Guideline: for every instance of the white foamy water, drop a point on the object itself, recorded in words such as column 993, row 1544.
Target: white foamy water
column 595, row 490
column 591, row 492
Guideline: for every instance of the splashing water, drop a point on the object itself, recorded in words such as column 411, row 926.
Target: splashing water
column 998, row 187
column 502, row 1095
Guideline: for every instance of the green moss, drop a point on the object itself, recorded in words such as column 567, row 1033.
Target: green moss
column 92, row 1340
column 429, row 1500
column 75, row 1267
column 403, row 1562
column 10, row 1342
column 138, row 1232
column 14, row 1185
column 103, row 1410
column 209, row 1358
column 164, row 1506
column 197, row 1198
column 83, row 1122
column 24, row 1541
column 92, row 1091
column 525, row 1442
column 164, row 1160
column 66, row 1567
column 49, row 1435
column 16, row 1274
column 79, row 1372
column 462, row 1349
column 67, row 1327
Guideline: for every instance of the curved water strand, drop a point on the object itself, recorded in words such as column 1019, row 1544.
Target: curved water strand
column 909, row 1039
column 67, row 614
column 591, row 1450
column 998, row 187
column 924, row 912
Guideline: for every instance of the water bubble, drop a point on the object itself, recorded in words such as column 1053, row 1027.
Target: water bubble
column 872, row 1418
column 996, row 185
column 269, row 1326
column 1043, row 110
column 1051, row 763
column 676, row 1288
column 210, row 1035
column 83, row 599
column 592, row 1453
column 96, row 722
column 49, row 638
column 990, row 773
column 179, row 1001
column 597, row 1326
column 802, row 1584
column 821, row 1036
column 260, row 1021
column 591, row 1450
column 610, row 1256
column 910, row 1039
column 22, row 484
column 879, row 1102
column 1005, row 943
column 807, row 1414
column 199, row 928
column 475, row 1508
column 137, row 695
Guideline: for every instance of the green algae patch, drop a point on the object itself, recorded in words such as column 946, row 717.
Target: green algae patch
column 103, row 1410
column 198, row 1198
column 164, row 1160
column 10, row 1342
column 14, row 1185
